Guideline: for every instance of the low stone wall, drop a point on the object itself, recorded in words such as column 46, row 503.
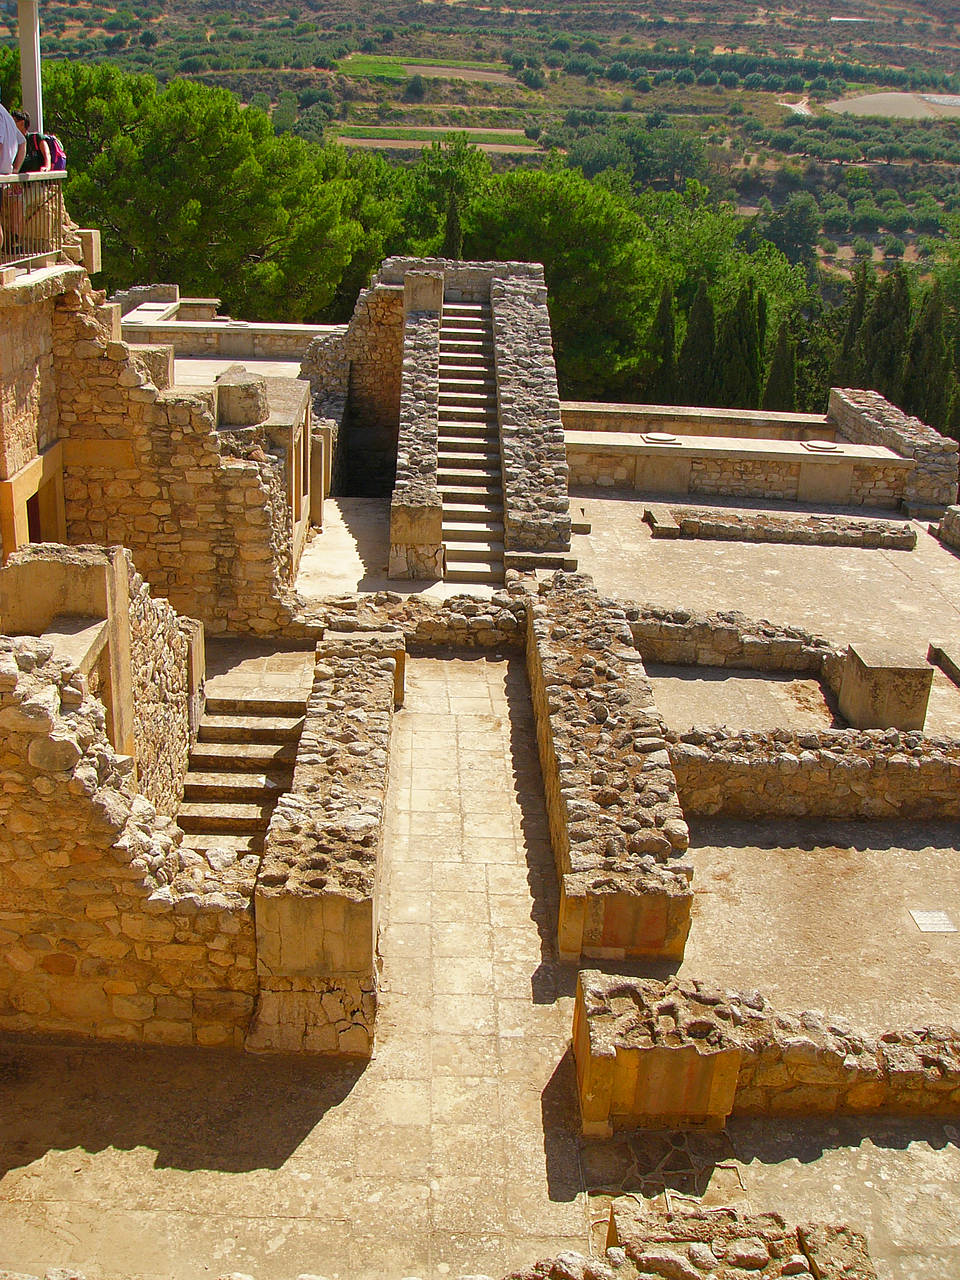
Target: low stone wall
column 536, row 507
column 317, row 893
column 687, row 420
column 865, row 417
column 813, row 530
column 730, row 639
column 326, row 366
column 681, row 1053
column 130, row 299
column 208, row 522
column 840, row 773
column 107, row 927
column 616, row 827
column 416, row 514
column 949, row 528
column 374, row 347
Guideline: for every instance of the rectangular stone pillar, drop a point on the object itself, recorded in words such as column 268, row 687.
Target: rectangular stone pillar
column 881, row 690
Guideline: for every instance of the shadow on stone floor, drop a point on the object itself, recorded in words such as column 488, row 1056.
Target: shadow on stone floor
column 560, row 1114
column 822, row 833
column 197, row 1109
column 648, row 1163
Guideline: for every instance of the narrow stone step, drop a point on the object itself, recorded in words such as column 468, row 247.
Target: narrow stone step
column 237, row 756
column 462, row 306
column 473, row 458
column 460, row 368
column 466, row 477
column 232, row 787
column 463, row 413
column 473, row 399
column 462, row 551
column 209, row 817
column 255, row 706
column 230, row 843
column 469, row 571
column 225, row 728
column 468, row 530
column 482, row 443
column 452, row 432
column 472, row 498
column 466, row 348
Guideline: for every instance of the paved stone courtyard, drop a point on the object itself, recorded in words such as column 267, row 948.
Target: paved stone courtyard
column 689, row 697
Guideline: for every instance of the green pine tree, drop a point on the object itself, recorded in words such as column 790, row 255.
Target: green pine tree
column 781, row 390
column 926, row 364
column 697, row 363
column 883, row 337
column 738, row 353
column 663, row 384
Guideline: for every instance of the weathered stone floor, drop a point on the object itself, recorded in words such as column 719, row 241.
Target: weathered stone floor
column 238, row 668
column 901, row 598
column 815, row 914
column 454, row 1151
column 697, row 697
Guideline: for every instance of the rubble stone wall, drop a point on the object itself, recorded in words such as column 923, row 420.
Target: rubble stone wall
column 107, row 927
column 147, row 468
column 317, row 894
column 374, row 349
column 865, row 417
column 949, row 530
column 840, row 773
column 814, row 530
column 616, row 826
column 730, row 639
column 536, row 506
column 159, row 660
column 28, row 403
column 326, row 366
column 638, row 1037
column 416, row 538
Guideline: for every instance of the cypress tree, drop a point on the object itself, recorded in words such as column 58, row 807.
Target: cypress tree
column 663, row 383
column 738, row 353
column 781, row 389
column 926, row 365
column 452, row 230
column 697, row 367
column 883, row 336
column 845, row 370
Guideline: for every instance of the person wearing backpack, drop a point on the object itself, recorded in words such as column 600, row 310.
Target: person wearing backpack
column 37, row 158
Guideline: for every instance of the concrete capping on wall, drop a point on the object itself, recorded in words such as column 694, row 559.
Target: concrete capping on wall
column 837, row 773
column 698, row 1055
column 948, row 531
column 536, row 505
column 137, row 294
column 867, row 417
column 317, row 892
column 767, row 526
column 730, row 639
column 107, row 927
column 594, row 415
column 416, row 511
column 616, row 826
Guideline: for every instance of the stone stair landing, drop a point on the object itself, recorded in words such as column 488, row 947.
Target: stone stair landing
column 468, row 445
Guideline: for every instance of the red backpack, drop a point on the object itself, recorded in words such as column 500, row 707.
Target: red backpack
column 58, row 157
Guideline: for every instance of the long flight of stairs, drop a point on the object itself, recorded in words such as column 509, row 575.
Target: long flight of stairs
column 469, row 477
column 240, row 765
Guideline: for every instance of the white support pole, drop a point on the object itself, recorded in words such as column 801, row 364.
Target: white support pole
column 28, row 22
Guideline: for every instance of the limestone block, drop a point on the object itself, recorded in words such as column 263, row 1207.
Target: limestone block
column 242, row 398
column 880, row 690
column 423, row 291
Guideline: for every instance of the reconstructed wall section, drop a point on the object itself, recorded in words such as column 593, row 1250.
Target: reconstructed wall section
column 317, row 893
column 949, row 528
column 106, row 927
column 865, row 417
column 208, row 529
column 615, row 823
column 28, row 398
column 680, row 1053
column 766, row 526
column 536, row 508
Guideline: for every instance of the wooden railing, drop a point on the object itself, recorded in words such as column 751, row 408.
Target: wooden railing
column 31, row 217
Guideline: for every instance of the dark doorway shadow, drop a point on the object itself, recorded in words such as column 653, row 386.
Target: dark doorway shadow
column 196, row 1108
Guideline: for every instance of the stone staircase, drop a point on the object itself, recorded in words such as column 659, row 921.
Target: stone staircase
column 240, row 765
column 468, row 445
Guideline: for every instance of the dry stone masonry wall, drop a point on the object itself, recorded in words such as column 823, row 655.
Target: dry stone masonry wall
column 813, row 530
column 147, row 468
column 681, row 1052
column 107, row 928
column 28, row 400
column 318, row 888
column 840, row 773
column 416, row 536
column 865, row 417
column 949, row 528
column 615, row 822
column 536, row 515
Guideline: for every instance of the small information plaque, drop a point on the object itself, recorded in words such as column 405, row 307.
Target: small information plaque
column 933, row 922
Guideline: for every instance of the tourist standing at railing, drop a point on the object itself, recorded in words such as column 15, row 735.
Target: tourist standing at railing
column 37, row 156
column 13, row 147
